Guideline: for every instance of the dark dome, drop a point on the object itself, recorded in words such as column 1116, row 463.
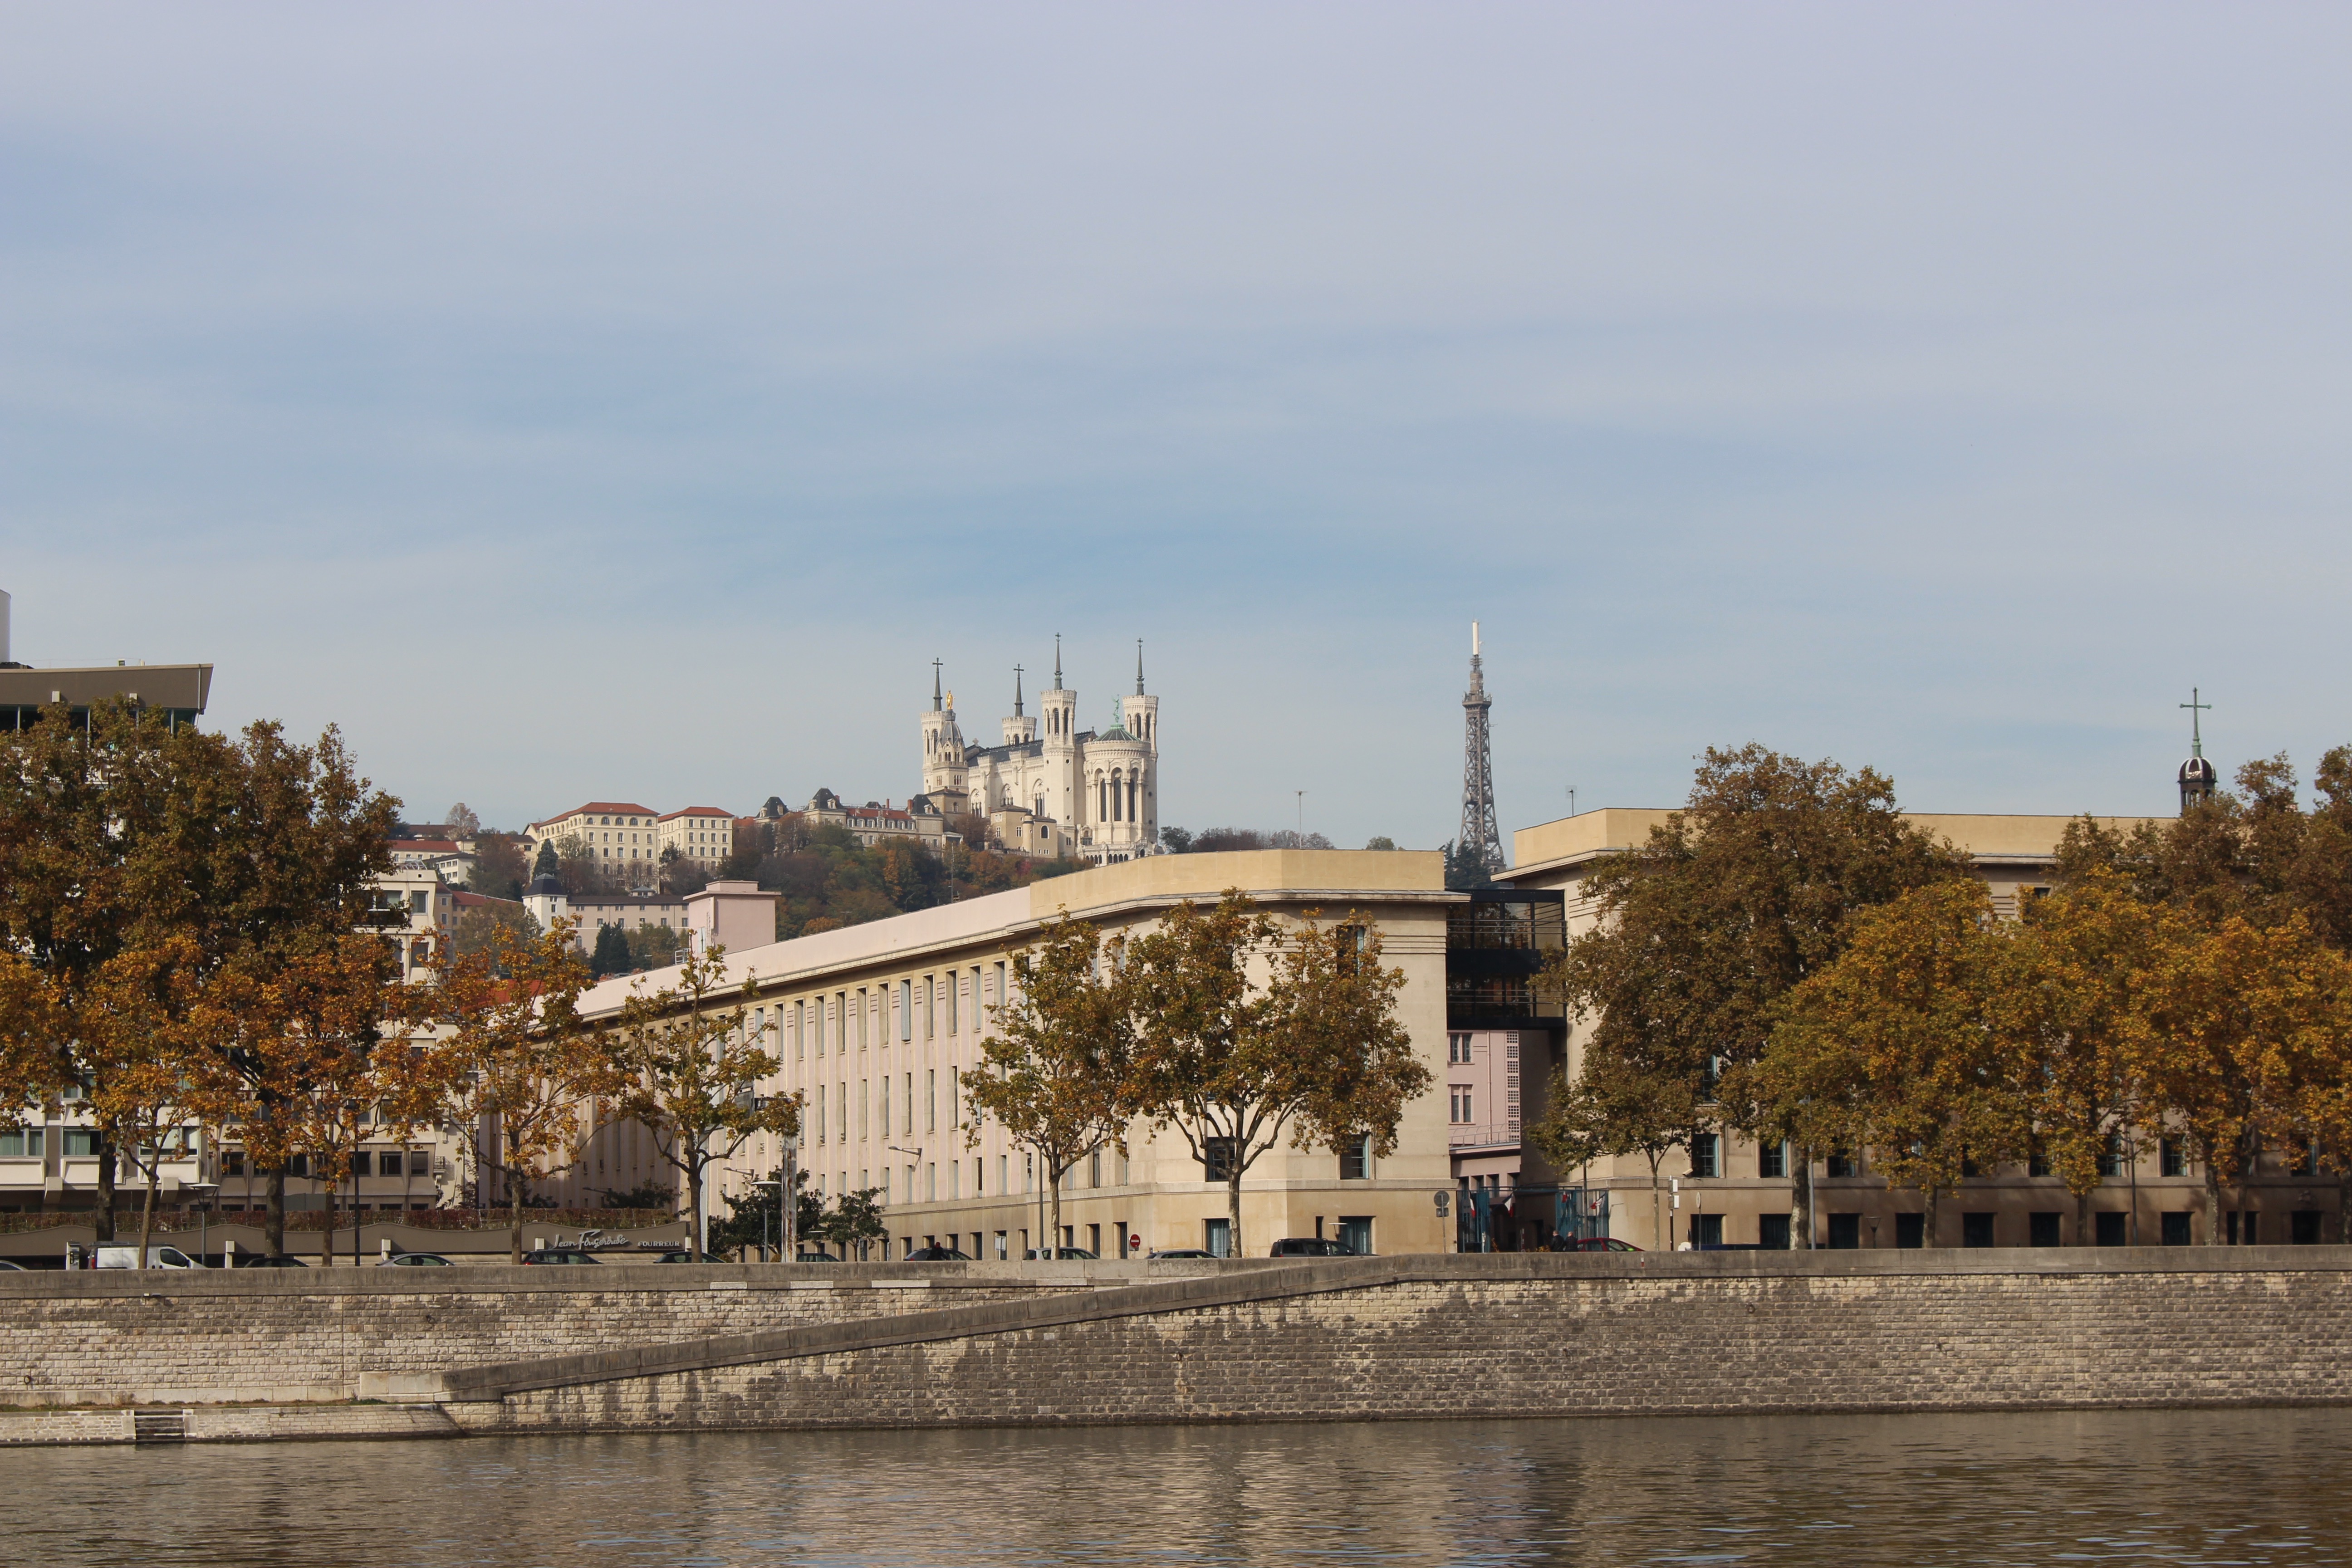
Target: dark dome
column 2199, row 771
column 548, row 884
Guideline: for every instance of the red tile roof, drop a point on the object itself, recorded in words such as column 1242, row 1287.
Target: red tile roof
column 601, row 808
column 699, row 810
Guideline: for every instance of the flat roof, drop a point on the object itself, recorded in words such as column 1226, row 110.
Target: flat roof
column 1614, row 829
column 182, row 688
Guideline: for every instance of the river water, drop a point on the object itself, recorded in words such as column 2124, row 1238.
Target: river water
column 2185, row 1486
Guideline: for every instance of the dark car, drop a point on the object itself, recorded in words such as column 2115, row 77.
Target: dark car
column 559, row 1255
column 816, row 1258
column 8, row 1268
column 263, row 1262
column 1311, row 1246
column 1181, row 1252
column 1065, row 1253
column 1599, row 1244
column 416, row 1260
column 937, row 1255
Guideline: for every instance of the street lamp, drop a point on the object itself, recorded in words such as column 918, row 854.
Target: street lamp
column 204, row 1214
column 764, row 1213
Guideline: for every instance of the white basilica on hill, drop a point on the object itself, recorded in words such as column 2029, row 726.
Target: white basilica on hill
column 1053, row 789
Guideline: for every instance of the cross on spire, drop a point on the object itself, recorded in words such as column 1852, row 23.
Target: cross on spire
column 2195, row 736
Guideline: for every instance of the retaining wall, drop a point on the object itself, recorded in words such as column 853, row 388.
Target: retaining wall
column 1342, row 1338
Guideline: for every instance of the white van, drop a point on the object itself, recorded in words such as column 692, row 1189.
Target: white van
column 157, row 1258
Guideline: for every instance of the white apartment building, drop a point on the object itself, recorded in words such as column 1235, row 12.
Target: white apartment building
column 703, row 836
column 619, row 836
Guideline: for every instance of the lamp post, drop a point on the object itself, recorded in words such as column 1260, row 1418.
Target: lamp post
column 764, row 1216
column 204, row 1211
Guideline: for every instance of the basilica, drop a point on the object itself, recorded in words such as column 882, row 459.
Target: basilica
column 1053, row 789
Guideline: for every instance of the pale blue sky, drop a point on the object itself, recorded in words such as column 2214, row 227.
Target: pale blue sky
column 578, row 400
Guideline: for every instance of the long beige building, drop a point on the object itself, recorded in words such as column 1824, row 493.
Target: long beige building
column 878, row 1027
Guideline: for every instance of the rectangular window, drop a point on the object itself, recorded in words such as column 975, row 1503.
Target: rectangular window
column 1356, row 1160
column 1977, row 1228
column 1706, row 1232
column 820, row 1113
column 905, row 1010
column 906, row 1114
column 233, row 1162
column 2177, row 1228
column 1216, row 1160
column 800, row 1028
column 865, row 1006
column 2304, row 1227
column 1846, row 1232
column 22, row 1143
column 1910, row 1230
column 388, row 1164
column 2111, row 1156
column 1003, row 1175
column 1772, row 1161
column 930, row 1099
column 997, row 991
column 1772, row 1232
column 1218, row 1237
column 81, row 1143
column 1844, row 1165
column 2114, row 1228
column 930, row 1184
column 1706, row 1156
column 2171, row 1160
column 884, row 1125
column 2041, row 1228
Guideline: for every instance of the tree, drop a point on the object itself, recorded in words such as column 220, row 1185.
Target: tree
column 548, row 863
column 342, row 1061
column 462, row 823
column 1615, row 1107
column 653, row 947
column 611, row 955
column 1052, row 1075
column 855, row 1220
column 1896, row 1046
column 1729, row 905
column 2222, row 1014
column 1314, row 1049
column 478, row 930
column 500, row 869
column 2068, row 996
column 1381, row 841
column 756, row 1217
column 224, row 860
column 1176, row 840
column 1465, row 868
column 689, row 1072
column 504, row 1046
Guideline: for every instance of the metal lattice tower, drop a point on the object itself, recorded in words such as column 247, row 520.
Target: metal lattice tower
column 1481, row 834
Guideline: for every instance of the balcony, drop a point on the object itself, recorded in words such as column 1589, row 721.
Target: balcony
column 1462, row 1137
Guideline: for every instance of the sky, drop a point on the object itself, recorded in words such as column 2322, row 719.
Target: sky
column 580, row 400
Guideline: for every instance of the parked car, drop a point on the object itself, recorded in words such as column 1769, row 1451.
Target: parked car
column 7, row 1267
column 1064, row 1253
column 937, row 1255
column 1599, row 1244
column 1179, row 1252
column 559, row 1255
column 263, row 1260
column 1311, row 1246
column 157, row 1258
column 816, row 1258
column 416, row 1260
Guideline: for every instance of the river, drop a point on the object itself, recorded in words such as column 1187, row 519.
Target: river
column 2185, row 1486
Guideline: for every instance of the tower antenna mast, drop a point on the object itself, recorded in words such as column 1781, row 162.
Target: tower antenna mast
column 1481, row 837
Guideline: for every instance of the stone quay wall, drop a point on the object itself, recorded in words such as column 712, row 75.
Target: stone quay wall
column 1411, row 1337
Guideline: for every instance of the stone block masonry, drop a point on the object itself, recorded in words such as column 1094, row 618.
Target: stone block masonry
column 1409, row 1337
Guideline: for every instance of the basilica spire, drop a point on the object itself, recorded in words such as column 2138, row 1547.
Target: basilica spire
column 1016, row 691
column 1057, row 661
column 1139, row 666
column 935, row 686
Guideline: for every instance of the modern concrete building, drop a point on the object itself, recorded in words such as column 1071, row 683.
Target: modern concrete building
column 548, row 902
column 878, row 1027
column 176, row 693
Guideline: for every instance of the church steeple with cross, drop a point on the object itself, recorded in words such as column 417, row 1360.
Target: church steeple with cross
column 2199, row 778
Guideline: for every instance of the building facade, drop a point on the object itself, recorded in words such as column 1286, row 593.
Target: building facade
column 1100, row 788
column 703, row 836
column 621, row 837
column 878, row 1027
column 1730, row 1191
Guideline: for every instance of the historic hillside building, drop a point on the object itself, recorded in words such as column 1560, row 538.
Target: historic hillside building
column 1099, row 789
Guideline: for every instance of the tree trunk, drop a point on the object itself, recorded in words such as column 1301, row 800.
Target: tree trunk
column 102, row 1222
column 694, row 1210
column 1233, row 1207
column 147, row 1214
column 273, row 1215
column 2083, row 1226
column 2212, row 1204
column 1054, row 1240
column 1801, row 1229
column 2344, row 1205
column 326, row 1244
column 514, row 1209
column 1935, row 1214
column 1659, row 1240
